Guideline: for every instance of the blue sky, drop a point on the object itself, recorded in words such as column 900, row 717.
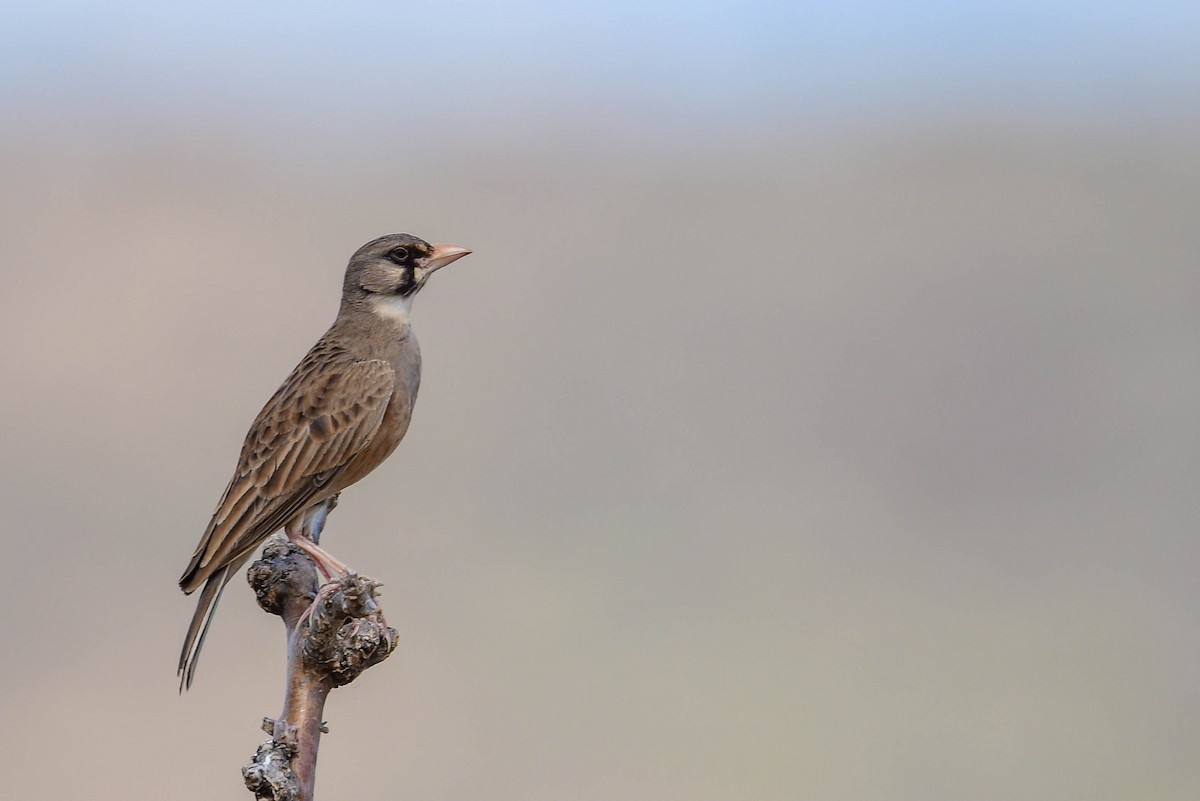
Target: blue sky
column 694, row 59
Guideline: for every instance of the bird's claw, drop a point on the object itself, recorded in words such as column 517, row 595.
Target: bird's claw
column 323, row 592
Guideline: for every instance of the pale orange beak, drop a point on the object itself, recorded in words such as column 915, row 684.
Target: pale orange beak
column 443, row 254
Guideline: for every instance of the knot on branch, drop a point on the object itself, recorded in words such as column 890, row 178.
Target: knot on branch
column 346, row 632
column 339, row 628
column 284, row 580
column 269, row 775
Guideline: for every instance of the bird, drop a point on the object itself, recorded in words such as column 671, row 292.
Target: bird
column 339, row 414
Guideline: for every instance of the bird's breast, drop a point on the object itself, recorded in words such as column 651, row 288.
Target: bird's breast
column 396, row 416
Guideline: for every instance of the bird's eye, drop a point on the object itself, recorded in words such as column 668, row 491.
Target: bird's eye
column 399, row 255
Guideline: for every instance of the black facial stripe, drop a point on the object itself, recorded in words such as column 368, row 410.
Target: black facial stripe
column 408, row 281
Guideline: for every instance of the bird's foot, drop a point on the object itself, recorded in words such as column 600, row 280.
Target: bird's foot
column 323, row 592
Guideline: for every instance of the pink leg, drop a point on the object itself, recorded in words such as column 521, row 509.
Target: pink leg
column 325, row 562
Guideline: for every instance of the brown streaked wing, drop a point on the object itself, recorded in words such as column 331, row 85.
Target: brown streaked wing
column 322, row 416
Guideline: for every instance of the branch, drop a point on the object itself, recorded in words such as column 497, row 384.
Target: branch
column 334, row 633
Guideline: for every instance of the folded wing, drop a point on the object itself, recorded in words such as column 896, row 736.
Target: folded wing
column 326, row 413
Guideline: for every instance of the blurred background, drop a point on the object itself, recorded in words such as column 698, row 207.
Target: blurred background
column 815, row 419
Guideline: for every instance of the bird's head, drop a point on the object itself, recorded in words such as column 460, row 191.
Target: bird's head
column 386, row 273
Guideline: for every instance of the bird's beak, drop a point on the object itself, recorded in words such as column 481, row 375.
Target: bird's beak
column 442, row 255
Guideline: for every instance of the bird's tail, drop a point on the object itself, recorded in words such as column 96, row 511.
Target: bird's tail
column 206, row 607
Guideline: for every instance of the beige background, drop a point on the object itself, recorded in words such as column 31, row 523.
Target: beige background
column 815, row 460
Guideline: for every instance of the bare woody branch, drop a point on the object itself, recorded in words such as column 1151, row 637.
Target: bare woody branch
column 330, row 641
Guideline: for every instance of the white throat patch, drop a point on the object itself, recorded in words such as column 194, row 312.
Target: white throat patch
column 393, row 307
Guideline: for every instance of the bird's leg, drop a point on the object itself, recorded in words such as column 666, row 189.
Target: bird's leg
column 320, row 558
column 315, row 517
column 329, row 565
column 305, row 531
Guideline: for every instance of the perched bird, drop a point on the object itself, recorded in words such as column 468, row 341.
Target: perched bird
column 340, row 413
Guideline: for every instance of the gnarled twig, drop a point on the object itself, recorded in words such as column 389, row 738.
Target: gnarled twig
column 330, row 642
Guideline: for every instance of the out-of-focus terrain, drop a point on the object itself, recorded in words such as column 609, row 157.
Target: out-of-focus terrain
column 812, row 461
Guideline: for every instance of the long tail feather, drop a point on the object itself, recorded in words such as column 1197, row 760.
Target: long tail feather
column 206, row 607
